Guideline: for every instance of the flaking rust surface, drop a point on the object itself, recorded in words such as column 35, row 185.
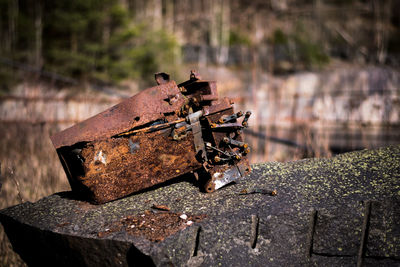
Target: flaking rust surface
column 112, row 175
column 147, row 106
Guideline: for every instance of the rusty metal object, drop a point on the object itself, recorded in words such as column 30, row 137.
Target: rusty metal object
column 159, row 134
column 259, row 191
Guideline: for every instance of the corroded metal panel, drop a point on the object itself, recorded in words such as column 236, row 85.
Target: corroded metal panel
column 147, row 106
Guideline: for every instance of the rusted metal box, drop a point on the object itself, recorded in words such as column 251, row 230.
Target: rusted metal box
column 161, row 133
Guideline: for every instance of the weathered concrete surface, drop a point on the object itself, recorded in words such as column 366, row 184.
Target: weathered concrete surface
column 339, row 211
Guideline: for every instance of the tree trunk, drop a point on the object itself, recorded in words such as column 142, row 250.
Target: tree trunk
column 168, row 15
column 382, row 18
column 38, row 34
column 13, row 10
column 74, row 42
column 155, row 12
column 220, row 29
column 223, row 52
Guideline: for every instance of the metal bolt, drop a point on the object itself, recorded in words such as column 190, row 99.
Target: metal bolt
column 246, row 118
column 195, row 101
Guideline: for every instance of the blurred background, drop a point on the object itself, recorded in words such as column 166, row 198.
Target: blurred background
column 320, row 76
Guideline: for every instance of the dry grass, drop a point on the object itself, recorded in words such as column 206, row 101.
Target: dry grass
column 30, row 170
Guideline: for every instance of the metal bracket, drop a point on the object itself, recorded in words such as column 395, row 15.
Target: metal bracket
column 224, row 178
column 194, row 120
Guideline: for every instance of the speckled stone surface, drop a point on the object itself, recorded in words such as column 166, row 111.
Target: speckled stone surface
column 339, row 211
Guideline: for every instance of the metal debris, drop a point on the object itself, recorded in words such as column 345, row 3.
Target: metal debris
column 161, row 133
column 153, row 226
column 161, row 207
column 258, row 191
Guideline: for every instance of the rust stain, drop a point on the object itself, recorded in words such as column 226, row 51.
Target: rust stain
column 155, row 227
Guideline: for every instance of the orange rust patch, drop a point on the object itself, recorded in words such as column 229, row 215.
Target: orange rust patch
column 120, row 166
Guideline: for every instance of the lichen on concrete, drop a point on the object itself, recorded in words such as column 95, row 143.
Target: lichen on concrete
column 319, row 212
